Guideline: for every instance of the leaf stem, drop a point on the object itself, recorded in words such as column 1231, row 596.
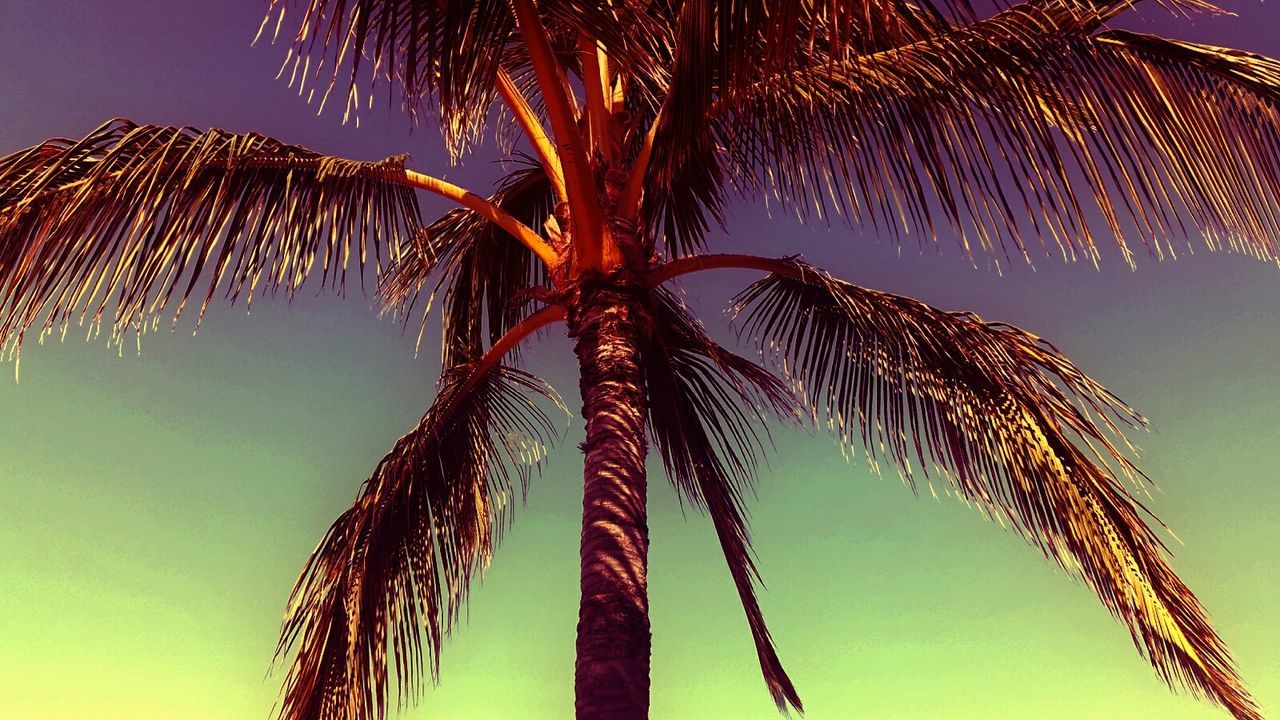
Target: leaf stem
column 697, row 263
column 587, row 219
column 533, row 130
column 497, row 215
column 513, row 337
column 595, row 81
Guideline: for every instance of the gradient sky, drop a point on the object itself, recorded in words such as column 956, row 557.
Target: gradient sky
column 157, row 505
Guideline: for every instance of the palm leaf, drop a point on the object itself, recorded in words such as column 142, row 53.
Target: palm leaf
column 444, row 53
column 704, row 405
column 684, row 185
column 1253, row 78
column 147, row 216
column 722, row 49
column 1011, row 426
column 395, row 568
column 1025, row 124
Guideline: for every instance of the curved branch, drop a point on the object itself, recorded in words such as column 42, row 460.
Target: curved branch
column 460, row 195
column 495, row 353
column 721, row 261
column 533, row 129
column 472, row 201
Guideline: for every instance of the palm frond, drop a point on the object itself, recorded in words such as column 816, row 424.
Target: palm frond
column 684, row 185
column 437, row 53
column 486, row 275
column 746, row 39
column 1026, row 124
column 721, row 49
column 1254, row 77
column 147, row 216
column 763, row 36
column 395, row 568
column 1009, row 425
column 705, row 404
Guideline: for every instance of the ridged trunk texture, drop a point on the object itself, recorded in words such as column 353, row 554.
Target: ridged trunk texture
column 612, row 671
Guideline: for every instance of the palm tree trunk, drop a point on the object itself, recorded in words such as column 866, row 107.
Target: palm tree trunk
column 612, row 671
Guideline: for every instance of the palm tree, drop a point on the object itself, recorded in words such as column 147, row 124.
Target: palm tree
column 642, row 119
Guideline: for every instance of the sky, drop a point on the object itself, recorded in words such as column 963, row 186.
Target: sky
column 158, row 503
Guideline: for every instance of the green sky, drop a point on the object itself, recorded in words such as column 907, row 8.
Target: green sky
column 159, row 505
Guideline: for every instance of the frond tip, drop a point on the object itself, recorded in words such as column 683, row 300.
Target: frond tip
column 144, row 216
column 1012, row 427
column 705, row 404
column 397, row 565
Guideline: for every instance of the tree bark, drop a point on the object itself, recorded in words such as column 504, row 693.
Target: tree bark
column 612, row 671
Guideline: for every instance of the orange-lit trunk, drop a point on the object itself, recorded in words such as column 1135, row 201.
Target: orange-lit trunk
column 612, row 670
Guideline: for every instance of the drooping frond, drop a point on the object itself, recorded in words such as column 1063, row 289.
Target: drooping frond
column 486, row 275
column 705, row 404
column 1011, row 426
column 684, row 186
column 1026, row 124
column 395, row 568
column 145, row 217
